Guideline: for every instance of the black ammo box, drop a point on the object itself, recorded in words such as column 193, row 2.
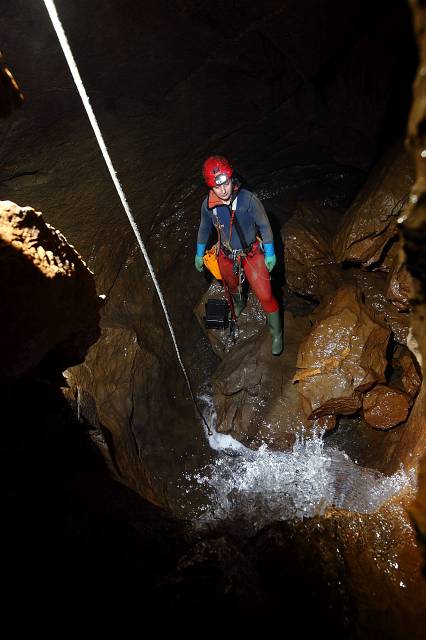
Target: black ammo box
column 216, row 314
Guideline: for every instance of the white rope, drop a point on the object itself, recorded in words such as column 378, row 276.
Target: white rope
column 50, row 6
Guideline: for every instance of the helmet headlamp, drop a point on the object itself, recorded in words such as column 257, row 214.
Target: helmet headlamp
column 221, row 178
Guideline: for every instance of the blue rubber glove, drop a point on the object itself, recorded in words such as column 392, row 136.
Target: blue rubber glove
column 199, row 262
column 270, row 257
column 270, row 262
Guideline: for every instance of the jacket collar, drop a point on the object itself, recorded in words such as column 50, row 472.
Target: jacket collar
column 213, row 201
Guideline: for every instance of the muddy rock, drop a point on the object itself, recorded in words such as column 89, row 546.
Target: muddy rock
column 413, row 230
column 406, row 362
column 254, row 397
column 393, row 249
column 371, row 221
column 375, row 557
column 51, row 291
column 385, row 407
column 308, row 252
column 251, row 321
column 399, row 285
column 343, row 356
column 418, row 507
column 372, row 284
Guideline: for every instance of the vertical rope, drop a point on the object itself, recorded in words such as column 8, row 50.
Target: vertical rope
column 51, row 9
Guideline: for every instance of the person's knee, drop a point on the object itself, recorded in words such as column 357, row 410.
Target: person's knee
column 269, row 304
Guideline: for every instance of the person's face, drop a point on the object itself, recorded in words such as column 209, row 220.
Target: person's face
column 224, row 190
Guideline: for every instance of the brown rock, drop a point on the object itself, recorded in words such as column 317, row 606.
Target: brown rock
column 414, row 234
column 308, row 253
column 50, row 290
column 374, row 554
column 371, row 221
column 418, row 507
column 254, row 397
column 372, row 284
column 343, row 356
column 326, row 423
column 399, row 284
column 410, row 377
column 390, row 255
column 251, row 321
column 385, row 407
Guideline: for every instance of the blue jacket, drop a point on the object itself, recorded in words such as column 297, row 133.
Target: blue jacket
column 252, row 219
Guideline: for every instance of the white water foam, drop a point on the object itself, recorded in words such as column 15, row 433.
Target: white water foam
column 261, row 486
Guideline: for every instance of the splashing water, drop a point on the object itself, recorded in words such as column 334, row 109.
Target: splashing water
column 260, row 486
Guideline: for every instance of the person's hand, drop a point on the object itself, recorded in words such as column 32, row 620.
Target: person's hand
column 270, row 262
column 199, row 263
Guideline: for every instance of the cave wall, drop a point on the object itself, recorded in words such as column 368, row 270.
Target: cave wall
column 302, row 96
column 413, row 229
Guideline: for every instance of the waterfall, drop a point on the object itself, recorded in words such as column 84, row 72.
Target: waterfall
column 257, row 487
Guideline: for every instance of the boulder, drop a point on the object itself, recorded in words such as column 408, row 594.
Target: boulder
column 254, row 397
column 309, row 259
column 385, row 407
column 411, row 379
column 405, row 374
column 417, row 509
column 49, row 291
column 371, row 221
column 372, row 284
column 399, row 285
column 315, row 272
column 251, row 321
column 343, row 356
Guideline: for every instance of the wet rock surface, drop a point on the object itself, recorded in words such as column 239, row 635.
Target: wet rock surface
column 317, row 239
column 373, row 288
column 342, row 358
column 308, row 250
column 409, row 369
column 371, row 221
column 417, row 508
column 385, row 407
column 251, row 321
column 254, row 396
column 413, row 229
column 398, row 284
column 367, row 234
column 360, row 575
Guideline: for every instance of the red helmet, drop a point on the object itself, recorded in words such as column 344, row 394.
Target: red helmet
column 216, row 171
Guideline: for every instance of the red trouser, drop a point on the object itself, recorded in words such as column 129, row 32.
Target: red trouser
column 256, row 273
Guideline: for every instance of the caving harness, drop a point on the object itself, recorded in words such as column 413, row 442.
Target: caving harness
column 235, row 255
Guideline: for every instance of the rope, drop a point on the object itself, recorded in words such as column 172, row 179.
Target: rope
column 51, row 9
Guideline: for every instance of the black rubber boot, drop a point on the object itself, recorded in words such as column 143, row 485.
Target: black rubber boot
column 239, row 303
column 274, row 324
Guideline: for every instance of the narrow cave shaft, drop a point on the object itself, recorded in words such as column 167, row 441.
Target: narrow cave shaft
column 310, row 467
